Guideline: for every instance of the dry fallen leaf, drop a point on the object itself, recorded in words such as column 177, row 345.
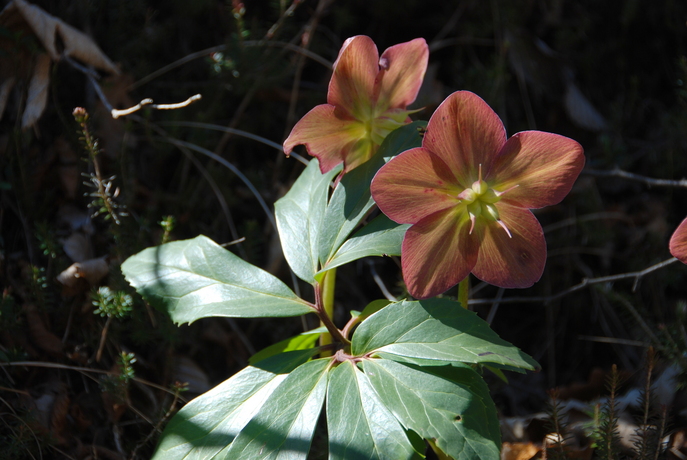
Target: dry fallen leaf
column 22, row 62
column 37, row 97
column 78, row 247
column 40, row 335
column 91, row 271
column 519, row 450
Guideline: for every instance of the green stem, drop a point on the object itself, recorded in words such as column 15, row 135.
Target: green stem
column 327, row 298
column 464, row 291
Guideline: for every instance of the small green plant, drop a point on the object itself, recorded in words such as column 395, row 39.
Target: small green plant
column 455, row 195
column 606, row 437
column 112, row 304
column 105, row 191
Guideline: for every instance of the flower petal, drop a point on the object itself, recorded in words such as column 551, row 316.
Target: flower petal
column 413, row 185
column 516, row 262
column 326, row 133
column 352, row 84
column 402, row 69
column 465, row 132
column 437, row 253
column 678, row 242
column 544, row 167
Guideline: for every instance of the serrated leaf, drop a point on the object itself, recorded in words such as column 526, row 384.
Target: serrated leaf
column 359, row 425
column 380, row 237
column 197, row 278
column 299, row 216
column 435, row 330
column 206, row 425
column 448, row 404
column 283, row 427
column 351, row 200
column 299, row 342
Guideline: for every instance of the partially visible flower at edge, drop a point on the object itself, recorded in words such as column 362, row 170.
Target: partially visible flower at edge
column 366, row 100
column 678, row 242
column 468, row 192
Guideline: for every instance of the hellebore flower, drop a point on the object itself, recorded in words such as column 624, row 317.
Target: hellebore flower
column 678, row 242
column 468, row 193
column 367, row 99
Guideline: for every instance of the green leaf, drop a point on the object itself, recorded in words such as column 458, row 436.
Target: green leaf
column 283, row 427
column 299, row 342
column 206, row 425
column 404, row 138
column 373, row 307
column 381, row 237
column 435, row 330
column 299, row 216
column 197, row 278
column 450, row 405
column 351, row 200
column 359, row 425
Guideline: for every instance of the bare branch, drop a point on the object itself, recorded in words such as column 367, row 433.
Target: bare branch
column 651, row 182
column 149, row 103
column 585, row 282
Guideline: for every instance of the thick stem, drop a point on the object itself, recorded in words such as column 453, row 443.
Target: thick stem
column 464, row 291
column 334, row 332
column 326, row 306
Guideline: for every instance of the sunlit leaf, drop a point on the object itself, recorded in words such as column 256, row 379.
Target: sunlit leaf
column 197, row 278
column 300, row 342
column 448, row 404
column 359, row 424
column 373, row 307
column 283, row 427
column 435, row 330
column 206, row 425
column 299, row 216
column 381, row 237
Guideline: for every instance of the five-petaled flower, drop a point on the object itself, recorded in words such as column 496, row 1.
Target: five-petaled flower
column 468, row 192
column 678, row 242
column 367, row 99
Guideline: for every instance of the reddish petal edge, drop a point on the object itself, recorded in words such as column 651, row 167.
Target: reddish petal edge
column 544, row 166
column 465, row 132
column 353, row 78
column 437, row 253
column 326, row 134
column 403, row 68
column 516, row 262
column 678, row 242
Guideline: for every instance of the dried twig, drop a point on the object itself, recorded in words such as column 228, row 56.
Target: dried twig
column 149, row 103
column 85, row 371
column 585, row 282
column 651, row 182
column 217, row 49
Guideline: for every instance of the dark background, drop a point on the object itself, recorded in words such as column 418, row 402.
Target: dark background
column 610, row 75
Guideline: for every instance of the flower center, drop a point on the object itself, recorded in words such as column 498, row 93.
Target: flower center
column 379, row 126
column 480, row 200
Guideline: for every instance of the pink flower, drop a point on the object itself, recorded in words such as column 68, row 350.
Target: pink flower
column 678, row 242
column 467, row 191
column 367, row 99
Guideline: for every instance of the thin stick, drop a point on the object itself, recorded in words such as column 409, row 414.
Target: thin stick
column 216, row 49
column 85, row 370
column 238, row 132
column 380, row 282
column 232, row 168
column 651, row 182
column 149, row 103
column 103, row 337
column 585, row 282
